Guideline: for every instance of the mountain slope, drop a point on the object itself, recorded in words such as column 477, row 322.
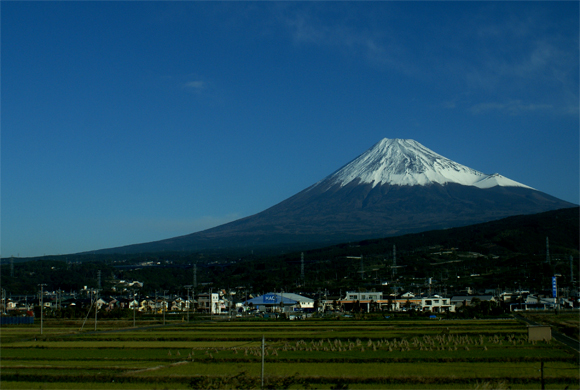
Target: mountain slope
column 396, row 187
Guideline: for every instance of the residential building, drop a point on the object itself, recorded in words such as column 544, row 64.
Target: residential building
column 210, row 302
column 362, row 301
column 437, row 304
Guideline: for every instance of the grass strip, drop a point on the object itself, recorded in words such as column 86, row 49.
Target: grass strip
column 416, row 380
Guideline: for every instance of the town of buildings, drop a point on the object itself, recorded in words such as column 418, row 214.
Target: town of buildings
column 239, row 303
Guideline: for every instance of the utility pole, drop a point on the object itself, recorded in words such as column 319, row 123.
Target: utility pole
column 282, row 301
column 210, row 304
column 548, row 251
column 133, row 308
column 194, row 281
column 41, row 304
column 188, row 304
column 3, row 308
column 263, row 361
column 571, row 271
column 229, row 302
column 164, row 304
column 542, row 383
column 96, row 303
column 302, row 266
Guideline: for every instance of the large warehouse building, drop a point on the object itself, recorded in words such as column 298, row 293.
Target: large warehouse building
column 281, row 302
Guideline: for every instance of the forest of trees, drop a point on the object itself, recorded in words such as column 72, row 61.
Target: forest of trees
column 511, row 254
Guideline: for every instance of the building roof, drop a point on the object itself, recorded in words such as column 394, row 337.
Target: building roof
column 468, row 298
column 276, row 298
column 541, row 300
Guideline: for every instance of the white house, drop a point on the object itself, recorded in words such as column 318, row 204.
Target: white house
column 437, row 304
column 364, row 296
column 210, row 302
column 365, row 299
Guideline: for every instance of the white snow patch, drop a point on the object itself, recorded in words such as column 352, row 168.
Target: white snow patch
column 498, row 180
column 407, row 162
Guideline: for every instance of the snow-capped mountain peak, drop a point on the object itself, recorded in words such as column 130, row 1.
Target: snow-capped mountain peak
column 406, row 162
column 331, row 212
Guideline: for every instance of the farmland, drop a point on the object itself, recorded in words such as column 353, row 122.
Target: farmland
column 356, row 354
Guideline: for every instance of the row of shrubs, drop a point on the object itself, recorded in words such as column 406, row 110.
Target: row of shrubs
column 243, row 381
column 526, row 359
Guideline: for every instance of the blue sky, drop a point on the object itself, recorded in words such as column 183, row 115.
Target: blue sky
column 128, row 122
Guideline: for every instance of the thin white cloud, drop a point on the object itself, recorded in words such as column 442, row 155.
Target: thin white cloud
column 519, row 55
column 304, row 31
column 450, row 104
column 375, row 45
column 524, row 48
column 513, row 107
column 196, row 85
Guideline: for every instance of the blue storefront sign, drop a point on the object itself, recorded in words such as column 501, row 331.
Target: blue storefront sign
column 270, row 298
column 554, row 287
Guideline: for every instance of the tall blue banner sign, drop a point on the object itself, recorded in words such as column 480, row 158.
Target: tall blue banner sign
column 554, row 288
column 270, row 298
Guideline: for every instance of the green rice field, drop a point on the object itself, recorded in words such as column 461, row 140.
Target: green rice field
column 311, row 354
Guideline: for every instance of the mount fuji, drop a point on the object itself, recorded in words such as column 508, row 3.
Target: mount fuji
column 396, row 187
